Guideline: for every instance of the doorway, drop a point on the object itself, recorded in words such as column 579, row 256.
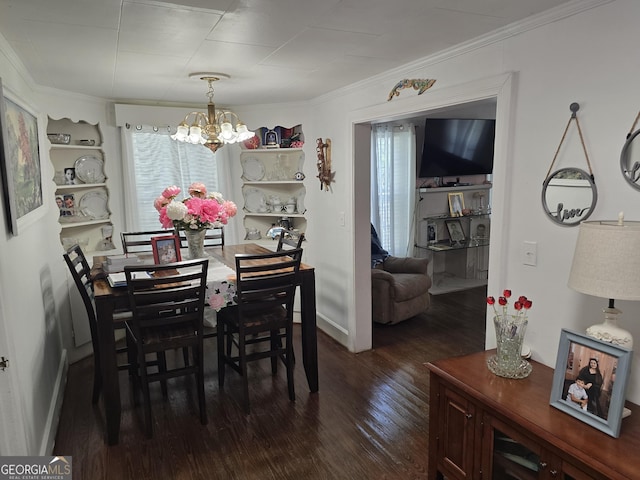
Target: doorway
column 499, row 88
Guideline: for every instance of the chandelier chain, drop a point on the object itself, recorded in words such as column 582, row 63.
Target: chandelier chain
column 210, row 91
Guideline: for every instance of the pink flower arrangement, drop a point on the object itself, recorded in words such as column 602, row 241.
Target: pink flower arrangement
column 198, row 212
column 521, row 305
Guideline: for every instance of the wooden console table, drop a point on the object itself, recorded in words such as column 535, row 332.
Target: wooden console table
column 486, row 427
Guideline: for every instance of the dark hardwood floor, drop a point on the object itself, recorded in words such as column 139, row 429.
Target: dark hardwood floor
column 368, row 421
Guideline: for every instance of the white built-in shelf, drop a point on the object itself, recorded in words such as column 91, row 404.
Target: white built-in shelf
column 80, row 186
column 462, row 188
column 274, row 214
column 58, row 146
column 274, row 182
column 85, row 223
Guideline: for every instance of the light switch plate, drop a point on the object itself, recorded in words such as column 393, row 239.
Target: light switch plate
column 530, row 253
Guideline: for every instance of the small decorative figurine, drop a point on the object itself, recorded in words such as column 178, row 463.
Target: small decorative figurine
column 420, row 84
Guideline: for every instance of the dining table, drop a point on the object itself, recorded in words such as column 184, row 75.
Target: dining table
column 109, row 300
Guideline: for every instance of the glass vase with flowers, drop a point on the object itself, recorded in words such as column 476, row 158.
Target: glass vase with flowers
column 510, row 330
column 194, row 214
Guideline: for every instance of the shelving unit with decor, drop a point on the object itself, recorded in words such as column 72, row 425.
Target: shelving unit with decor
column 84, row 210
column 83, row 221
column 272, row 195
column 454, row 264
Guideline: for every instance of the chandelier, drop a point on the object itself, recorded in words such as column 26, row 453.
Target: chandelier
column 214, row 128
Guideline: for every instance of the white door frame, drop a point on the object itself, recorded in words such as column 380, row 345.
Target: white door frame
column 503, row 89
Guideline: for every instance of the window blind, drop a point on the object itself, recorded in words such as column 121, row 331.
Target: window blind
column 157, row 162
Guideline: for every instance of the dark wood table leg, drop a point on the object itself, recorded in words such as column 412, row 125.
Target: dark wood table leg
column 109, row 368
column 309, row 333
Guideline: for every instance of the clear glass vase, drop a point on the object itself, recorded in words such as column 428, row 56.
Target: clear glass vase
column 508, row 361
column 195, row 243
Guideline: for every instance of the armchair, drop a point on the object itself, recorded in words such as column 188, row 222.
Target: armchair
column 399, row 289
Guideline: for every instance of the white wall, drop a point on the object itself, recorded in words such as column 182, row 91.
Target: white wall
column 585, row 58
column 33, row 288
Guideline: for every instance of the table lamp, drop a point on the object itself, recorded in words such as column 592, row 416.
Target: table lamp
column 606, row 263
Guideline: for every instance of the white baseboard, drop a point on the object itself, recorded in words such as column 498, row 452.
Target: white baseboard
column 53, row 419
column 335, row 331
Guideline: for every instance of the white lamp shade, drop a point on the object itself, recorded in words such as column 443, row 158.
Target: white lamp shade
column 606, row 262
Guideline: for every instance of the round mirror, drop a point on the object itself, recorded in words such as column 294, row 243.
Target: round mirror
column 569, row 196
column 630, row 160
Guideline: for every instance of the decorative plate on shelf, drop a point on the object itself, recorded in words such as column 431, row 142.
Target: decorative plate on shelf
column 94, row 205
column 253, row 169
column 89, row 169
column 255, row 200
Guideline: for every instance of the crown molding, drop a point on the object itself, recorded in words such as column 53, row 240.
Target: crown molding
column 530, row 23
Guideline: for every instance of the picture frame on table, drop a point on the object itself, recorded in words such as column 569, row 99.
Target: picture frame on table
column 456, row 204
column 601, row 369
column 456, row 233
column 19, row 163
column 166, row 249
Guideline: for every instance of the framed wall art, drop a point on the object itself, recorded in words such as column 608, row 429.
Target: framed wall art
column 19, row 162
column 590, row 380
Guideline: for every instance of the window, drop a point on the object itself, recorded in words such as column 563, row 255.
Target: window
column 392, row 186
column 154, row 162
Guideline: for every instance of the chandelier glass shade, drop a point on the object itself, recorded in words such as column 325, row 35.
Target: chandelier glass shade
column 214, row 128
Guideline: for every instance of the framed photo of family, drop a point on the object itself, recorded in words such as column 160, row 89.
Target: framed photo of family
column 456, row 204
column 166, row 249
column 20, row 163
column 456, row 233
column 590, row 381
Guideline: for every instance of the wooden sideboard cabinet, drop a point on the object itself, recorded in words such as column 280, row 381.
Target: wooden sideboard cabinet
column 484, row 427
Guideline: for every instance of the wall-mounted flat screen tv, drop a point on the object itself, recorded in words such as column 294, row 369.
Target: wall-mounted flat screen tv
column 455, row 147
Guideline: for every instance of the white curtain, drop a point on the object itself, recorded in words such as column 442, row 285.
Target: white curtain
column 153, row 161
column 393, row 178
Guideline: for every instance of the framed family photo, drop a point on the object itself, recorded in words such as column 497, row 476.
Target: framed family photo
column 432, row 233
column 456, row 204
column 19, row 162
column 166, row 249
column 590, row 381
column 456, row 233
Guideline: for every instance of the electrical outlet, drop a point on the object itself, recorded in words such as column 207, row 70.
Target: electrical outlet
column 530, row 253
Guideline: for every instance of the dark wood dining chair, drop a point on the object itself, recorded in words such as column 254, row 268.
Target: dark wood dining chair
column 81, row 273
column 140, row 242
column 168, row 307
column 266, row 285
column 289, row 240
column 214, row 237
